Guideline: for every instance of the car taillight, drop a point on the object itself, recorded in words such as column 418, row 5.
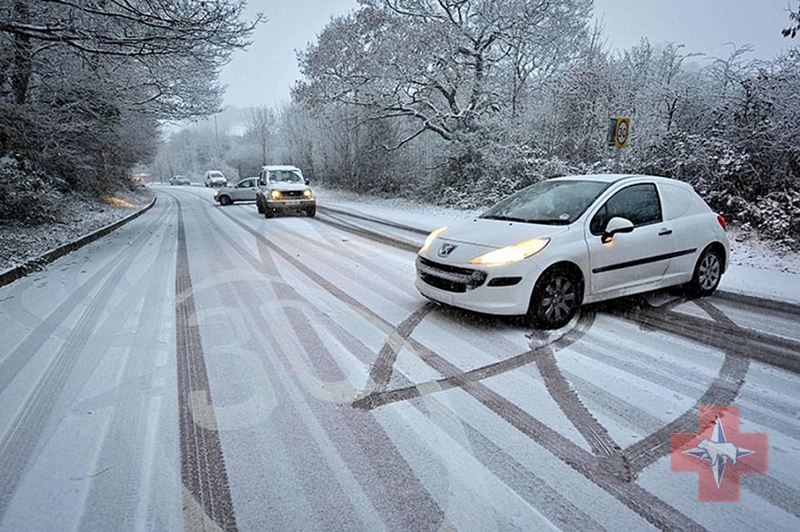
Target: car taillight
column 722, row 222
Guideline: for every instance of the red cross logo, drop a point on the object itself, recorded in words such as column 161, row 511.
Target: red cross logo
column 720, row 454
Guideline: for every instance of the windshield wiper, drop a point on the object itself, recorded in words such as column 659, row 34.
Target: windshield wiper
column 503, row 218
column 550, row 221
column 543, row 221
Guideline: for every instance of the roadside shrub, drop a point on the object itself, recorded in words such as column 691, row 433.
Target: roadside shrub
column 776, row 215
column 26, row 195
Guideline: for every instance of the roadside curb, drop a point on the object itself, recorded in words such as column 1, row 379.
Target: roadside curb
column 38, row 264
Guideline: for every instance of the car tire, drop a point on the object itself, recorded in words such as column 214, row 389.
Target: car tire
column 555, row 299
column 311, row 211
column 707, row 274
column 268, row 213
column 260, row 207
column 225, row 200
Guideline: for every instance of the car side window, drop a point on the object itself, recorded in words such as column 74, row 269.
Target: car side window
column 637, row 203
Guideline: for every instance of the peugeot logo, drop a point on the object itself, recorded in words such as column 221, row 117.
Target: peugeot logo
column 445, row 250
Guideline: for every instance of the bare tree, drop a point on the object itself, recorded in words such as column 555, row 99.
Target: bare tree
column 261, row 128
column 792, row 30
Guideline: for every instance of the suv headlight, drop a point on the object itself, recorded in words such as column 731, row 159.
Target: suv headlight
column 275, row 195
column 307, row 194
column 511, row 254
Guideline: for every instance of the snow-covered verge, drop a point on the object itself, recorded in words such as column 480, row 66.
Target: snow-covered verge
column 75, row 218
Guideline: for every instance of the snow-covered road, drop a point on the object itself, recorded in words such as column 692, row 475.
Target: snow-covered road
column 205, row 367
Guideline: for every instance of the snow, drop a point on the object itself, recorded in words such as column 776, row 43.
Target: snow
column 77, row 218
column 758, row 267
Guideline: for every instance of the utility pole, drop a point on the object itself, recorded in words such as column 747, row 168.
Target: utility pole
column 216, row 141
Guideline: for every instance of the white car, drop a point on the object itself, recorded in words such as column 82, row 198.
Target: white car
column 215, row 178
column 550, row 247
column 244, row 190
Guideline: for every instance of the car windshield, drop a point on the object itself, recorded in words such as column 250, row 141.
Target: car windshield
column 285, row 176
column 552, row 202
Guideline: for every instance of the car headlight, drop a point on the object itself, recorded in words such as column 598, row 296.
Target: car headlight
column 432, row 237
column 511, row 254
column 275, row 195
column 307, row 194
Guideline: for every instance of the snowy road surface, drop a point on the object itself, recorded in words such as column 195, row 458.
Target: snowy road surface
column 205, row 368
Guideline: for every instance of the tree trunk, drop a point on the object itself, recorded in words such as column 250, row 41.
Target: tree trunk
column 21, row 75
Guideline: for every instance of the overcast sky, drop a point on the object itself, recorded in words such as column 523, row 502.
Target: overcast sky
column 264, row 73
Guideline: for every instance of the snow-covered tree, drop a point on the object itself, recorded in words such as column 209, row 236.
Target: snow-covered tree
column 261, row 129
column 792, row 30
column 84, row 83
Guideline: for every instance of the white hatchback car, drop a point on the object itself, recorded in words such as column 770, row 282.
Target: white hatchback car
column 244, row 190
column 554, row 245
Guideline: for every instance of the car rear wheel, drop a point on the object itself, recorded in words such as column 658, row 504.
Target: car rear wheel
column 555, row 299
column 707, row 274
column 225, row 200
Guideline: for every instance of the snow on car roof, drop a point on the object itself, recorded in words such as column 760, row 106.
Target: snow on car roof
column 613, row 178
column 279, row 167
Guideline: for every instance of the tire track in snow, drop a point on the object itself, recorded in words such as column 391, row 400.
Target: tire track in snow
column 748, row 345
column 21, row 441
column 350, row 439
column 203, row 473
column 19, row 356
column 609, row 471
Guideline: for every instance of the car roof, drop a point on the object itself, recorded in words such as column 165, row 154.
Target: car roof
column 615, row 178
column 279, row 167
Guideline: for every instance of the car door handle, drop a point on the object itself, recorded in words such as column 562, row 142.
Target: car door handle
column 665, row 232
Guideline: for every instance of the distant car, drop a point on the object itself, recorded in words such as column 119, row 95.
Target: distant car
column 284, row 189
column 550, row 247
column 179, row 180
column 244, row 190
column 138, row 181
column 215, row 178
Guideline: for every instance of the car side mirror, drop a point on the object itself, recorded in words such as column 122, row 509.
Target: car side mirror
column 616, row 225
column 307, row 181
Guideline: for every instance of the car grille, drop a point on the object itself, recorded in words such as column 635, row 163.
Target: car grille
column 292, row 194
column 449, row 278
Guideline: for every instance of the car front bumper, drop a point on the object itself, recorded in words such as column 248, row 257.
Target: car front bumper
column 291, row 204
column 504, row 290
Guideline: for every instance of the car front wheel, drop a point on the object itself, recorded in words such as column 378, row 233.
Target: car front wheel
column 311, row 211
column 707, row 274
column 555, row 299
column 225, row 200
